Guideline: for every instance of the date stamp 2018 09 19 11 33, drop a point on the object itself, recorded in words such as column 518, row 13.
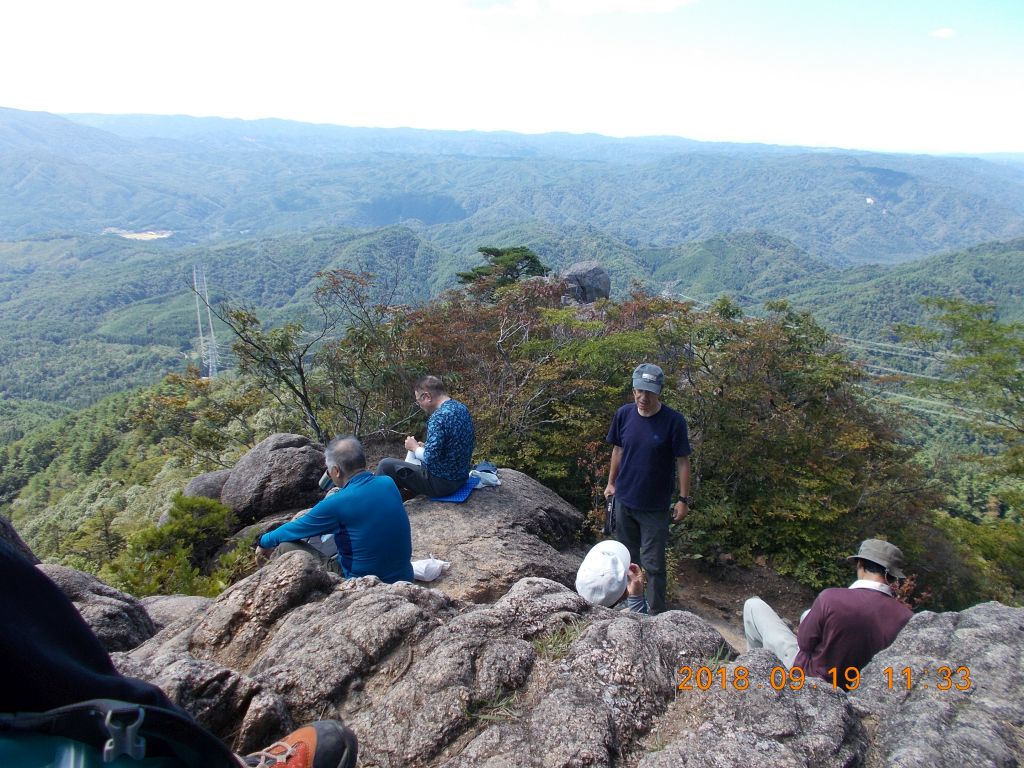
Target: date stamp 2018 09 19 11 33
column 942, row 678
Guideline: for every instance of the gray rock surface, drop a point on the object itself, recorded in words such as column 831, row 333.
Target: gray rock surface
column 498, row 536
column 421, row 676
column 9, row 535
column 501, row 663
column 588, row 281
column 978, row 720
column 280, row 473
column 167, row 609
column 209, row 484
column 758, row 727
column 588, row 703
column 540, row 678
column 118, row 620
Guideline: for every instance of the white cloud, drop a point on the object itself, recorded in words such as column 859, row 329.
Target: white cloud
column 602, row 7
column 580, row 8
column 943, row 33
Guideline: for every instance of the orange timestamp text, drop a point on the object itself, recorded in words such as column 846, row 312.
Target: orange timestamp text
column 942, row 678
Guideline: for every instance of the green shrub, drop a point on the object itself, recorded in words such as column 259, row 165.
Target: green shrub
column 174, row 558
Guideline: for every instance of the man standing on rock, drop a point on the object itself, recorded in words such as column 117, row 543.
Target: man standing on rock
column 445, row 455
column 650, row 455
column 367, row 517
column 844, row 628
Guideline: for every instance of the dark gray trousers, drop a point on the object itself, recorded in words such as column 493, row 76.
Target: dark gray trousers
column 417, row 479
column 644, row 533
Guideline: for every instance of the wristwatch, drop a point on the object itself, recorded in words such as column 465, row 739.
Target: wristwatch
column 687, row 500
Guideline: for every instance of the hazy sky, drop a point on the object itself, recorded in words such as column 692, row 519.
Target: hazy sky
column 898, row 75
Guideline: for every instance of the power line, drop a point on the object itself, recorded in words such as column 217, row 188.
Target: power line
column 938, row 403
column 889, row 348
column 940, row 414
column 877, row 351
column 906, row 373
column 876, row 347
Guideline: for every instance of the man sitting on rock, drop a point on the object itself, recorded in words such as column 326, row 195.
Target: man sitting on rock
column 445, row 455
column 844, row 628
column 369, row 522
column 606, row 577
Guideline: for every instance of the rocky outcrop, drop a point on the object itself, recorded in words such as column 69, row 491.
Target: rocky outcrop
column 759, row 726
column 419, row 674
column 280, row 473
column 540, row 678
column 588, row 281
column 501, row 663
column 208, row 485
column 498, row 536
column 964, row 705
column 118, row 620
column 167, row 609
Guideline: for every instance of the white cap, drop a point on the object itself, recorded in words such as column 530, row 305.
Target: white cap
column 603, row 575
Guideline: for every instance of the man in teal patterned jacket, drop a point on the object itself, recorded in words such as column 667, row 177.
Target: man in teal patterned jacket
column 445, row 454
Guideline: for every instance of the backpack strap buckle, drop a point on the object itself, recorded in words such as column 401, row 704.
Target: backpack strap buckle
column 124, row 736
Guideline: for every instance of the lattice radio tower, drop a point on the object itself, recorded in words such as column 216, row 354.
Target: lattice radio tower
column 207, row 343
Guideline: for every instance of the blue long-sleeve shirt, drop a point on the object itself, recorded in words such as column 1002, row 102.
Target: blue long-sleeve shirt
column 370, row 527
column 448, row 449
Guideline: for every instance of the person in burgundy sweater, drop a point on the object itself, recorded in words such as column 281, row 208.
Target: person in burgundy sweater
column 844, row 628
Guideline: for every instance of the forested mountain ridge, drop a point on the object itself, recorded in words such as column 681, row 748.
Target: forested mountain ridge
column 81, row 317
column 865, row 301
column 209, row 181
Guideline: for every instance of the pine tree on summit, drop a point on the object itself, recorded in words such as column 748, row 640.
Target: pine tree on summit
column 505, row 265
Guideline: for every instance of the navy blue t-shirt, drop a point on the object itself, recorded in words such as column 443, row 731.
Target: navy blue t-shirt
column 650, row 446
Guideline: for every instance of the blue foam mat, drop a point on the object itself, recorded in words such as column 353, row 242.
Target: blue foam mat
column 460, row 495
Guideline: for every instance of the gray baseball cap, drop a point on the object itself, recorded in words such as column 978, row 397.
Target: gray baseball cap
column 648, row 377
column 887, row 555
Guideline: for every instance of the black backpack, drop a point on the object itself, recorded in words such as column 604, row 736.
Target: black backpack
column 105, row 732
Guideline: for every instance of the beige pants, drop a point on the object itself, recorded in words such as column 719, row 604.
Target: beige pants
column 765, row 629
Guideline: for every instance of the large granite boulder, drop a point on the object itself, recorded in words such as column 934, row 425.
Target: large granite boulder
column 280, row 473
column 541, row 678
column 588, row 281
column 421, row 676
column 167, row 609
column 498, row 536
column 965, row 704
column 766, row 724
column 209, row 484
column 117, row 619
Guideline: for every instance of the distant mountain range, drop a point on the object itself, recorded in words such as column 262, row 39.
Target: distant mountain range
column 212, row 180
column 856, row 238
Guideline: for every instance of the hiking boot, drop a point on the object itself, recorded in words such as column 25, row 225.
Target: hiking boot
column 323, row 744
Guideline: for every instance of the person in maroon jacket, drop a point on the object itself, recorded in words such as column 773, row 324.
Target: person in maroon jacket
column 844, row 628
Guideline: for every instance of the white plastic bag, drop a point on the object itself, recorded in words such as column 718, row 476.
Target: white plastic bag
column 487, row 479
column 429, row 569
